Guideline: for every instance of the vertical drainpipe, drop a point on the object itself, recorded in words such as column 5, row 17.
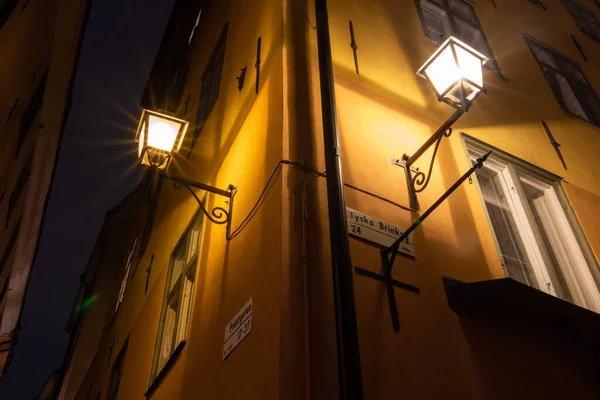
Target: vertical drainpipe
column 349, row 373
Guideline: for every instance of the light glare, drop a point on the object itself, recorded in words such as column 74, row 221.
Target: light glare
column 162, row 133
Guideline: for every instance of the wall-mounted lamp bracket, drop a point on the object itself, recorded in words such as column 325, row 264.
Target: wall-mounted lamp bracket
column 388, row 254
column 218, row 215
column 417, row 180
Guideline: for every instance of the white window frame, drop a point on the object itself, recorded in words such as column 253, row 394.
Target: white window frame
column 125, row 275
column 578, row 264
column 190, row 267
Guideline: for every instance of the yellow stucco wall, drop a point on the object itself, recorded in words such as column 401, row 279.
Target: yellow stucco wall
column 281, row 258
column 387, row 111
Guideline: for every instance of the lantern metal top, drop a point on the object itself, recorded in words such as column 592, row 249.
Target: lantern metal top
column 455, row 71
column 159, row 136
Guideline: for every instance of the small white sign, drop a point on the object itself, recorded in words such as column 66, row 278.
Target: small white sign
column 376, row 231
column 239, row 327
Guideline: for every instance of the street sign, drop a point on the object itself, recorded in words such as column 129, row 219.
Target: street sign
column 239, row 327
column 380, row 232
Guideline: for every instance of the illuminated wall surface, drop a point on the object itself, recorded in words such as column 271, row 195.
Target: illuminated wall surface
column 543, row 212
column 39, row 42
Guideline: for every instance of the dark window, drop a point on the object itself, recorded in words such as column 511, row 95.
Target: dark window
column 12, row 110
column 195, row 27
column 10, row 245
column 18, row 189
column 115, row 374
column 211, row 81
column 538, row 3
column 176, row 92
column 444, row 18
column 6, row 9
column 126, row 274
column 569, row 85
column 584, row 18
column 31, row 111
column 3, row 299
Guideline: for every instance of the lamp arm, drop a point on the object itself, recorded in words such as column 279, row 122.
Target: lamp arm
column 198, row 185
column 217, row 215
column 444, row 130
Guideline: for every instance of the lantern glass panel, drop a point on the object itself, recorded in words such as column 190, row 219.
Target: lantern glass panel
column 162, row 133
column 141, row 139
column 470, row 66
column 443, row 71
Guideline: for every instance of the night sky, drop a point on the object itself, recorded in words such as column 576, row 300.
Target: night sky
column 96, row 168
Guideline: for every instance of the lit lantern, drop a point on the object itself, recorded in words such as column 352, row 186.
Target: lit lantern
column 159, row 136
column 455, row 71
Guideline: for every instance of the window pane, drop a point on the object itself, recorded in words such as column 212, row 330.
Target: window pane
column 463, row 11
column 115, row 374
column 168, row 344
column 496, row 200
column 436, row 22
column 188, row 284
column 544, row 56
column 177, row 269
column 194, row 240
column 542, row 216
column 569, row 97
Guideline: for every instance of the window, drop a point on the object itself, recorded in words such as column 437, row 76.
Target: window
column 538, row 3
column 125, row 275
column 211, row 81
column 12, row 110
column 195, row 27
column 178, row 85
column 178, row 295
column 18, row 189
column 115, row 374
column 10, row 245
column 569, row 85
column 3, row 300
column 444, row 18
column 31, row 111
column 584, row 18
column 535, row 229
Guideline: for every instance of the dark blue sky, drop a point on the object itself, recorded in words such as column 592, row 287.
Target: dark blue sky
column 95, row 170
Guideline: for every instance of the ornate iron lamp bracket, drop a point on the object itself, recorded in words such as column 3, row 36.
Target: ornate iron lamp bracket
column 218, row 215
column 388, row 254
column 416, row 180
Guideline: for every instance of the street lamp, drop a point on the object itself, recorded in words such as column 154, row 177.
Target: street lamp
column 159, row 136
column 455, row 72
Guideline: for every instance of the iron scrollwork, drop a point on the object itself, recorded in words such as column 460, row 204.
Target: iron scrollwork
column 417, row 180
column 420, row 180
column 218, row 215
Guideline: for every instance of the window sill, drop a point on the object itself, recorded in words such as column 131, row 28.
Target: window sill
column 509, row 298
column 165, row 369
